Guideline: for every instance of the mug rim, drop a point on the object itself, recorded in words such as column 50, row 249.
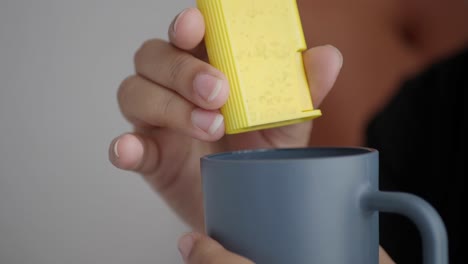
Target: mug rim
column 236, row 156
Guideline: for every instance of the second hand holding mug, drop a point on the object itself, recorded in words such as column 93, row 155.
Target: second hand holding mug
column 311, row 205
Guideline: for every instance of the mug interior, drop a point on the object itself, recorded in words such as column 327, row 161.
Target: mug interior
column 289, row 154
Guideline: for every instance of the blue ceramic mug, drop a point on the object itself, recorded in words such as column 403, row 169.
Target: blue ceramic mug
column 310, row 205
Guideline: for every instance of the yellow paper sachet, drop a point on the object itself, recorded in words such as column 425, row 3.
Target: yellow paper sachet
column 258, row 45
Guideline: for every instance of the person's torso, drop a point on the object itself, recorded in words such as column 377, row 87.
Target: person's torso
column 422, row 139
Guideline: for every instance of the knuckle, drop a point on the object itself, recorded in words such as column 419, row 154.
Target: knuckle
column 179, row 63
column 148, row 46
column 163, row 111
column 125, row 86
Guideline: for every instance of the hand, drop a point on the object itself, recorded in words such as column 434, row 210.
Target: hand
column 196, row 248
column 173, row 102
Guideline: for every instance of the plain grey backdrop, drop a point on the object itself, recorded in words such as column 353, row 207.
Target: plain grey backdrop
column 61, row 201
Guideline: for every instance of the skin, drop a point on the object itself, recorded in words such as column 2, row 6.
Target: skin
column 383, row 43
column 170, row 102
column 196, row 248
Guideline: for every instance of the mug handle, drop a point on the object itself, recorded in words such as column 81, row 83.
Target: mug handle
column 430, row 224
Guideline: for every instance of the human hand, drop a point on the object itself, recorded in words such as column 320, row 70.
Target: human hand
column 196, row 248
column 173, row 101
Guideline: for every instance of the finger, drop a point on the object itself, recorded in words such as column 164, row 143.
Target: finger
column 193, row 79
column 187, row 29
column 134, row 153
column 199, row 249
column 147, row 104
column 322, row 65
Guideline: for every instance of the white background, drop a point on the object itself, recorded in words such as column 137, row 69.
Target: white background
column 61, row 201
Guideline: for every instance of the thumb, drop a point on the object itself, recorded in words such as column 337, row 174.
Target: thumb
column 196, row 248
column 322, row 65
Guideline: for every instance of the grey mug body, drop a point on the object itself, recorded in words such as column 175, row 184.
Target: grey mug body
column 308, row 205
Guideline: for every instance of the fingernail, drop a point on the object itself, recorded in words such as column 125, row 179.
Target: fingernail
column 177, row 19
column 207, row 86
column 340, row 56
column 116, row 148
column 185, row 245
column 207, row 121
